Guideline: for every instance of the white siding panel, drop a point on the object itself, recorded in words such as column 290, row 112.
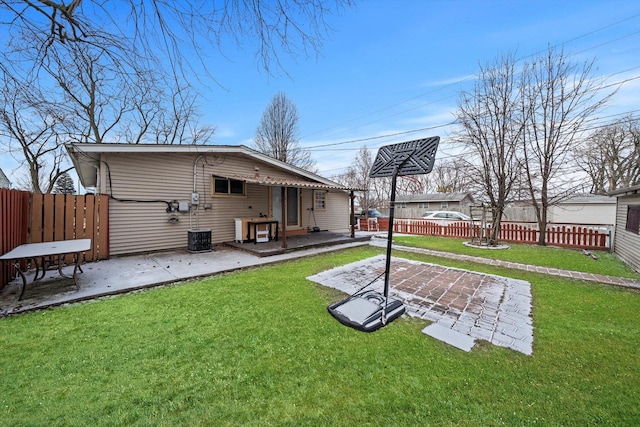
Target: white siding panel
column 583, row 213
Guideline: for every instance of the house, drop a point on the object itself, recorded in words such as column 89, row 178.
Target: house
column 627, row 240
column 160, row 194
column 415, row 205
column 4, row 181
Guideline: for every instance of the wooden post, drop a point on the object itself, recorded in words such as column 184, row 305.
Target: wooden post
column 284, row 217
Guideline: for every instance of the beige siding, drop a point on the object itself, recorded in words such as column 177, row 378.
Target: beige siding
column 335, row 217
column 153, row 179
column 627, row 244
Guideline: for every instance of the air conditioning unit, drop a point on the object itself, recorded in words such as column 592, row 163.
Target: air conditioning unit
column 199, row 241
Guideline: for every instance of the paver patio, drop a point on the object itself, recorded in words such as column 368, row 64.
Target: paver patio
column 482, row 306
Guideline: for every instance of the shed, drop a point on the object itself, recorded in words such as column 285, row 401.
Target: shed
column 161, row 193
column 627, row 240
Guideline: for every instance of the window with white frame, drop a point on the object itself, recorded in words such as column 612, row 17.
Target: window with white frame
column 228, row 187
column 319, row 200
column 444, row 205
column 424, row 205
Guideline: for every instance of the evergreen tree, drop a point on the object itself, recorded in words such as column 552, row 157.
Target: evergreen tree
column 65, row 185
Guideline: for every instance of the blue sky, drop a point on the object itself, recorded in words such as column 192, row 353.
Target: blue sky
column 396, row 66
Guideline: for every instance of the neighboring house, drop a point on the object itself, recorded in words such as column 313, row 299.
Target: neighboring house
column 160, row 192
column 4, row 181
column 415, row 205
column 587, row 209
column 627, row 240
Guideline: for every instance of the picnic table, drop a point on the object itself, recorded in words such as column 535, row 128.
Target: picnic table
column 47, row 253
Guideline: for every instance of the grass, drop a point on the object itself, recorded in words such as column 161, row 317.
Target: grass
column 258, row 348
column 546, row 256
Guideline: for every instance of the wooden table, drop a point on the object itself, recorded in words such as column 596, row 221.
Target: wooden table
column 50, row 250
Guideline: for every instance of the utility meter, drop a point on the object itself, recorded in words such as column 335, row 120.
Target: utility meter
column 195, row 198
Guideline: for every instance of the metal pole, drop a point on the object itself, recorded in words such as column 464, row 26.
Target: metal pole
column 284, row 217
column 392, row 208
column 390, row 234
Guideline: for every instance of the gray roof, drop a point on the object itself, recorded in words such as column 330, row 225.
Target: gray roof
column 436, row 197
column 625, row 191
column 4, row 181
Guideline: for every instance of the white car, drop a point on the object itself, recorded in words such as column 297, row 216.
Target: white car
column 445, row 217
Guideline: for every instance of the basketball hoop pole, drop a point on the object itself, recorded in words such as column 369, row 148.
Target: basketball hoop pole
column 392, row 208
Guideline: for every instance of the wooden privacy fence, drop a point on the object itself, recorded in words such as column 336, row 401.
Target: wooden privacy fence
column 567, row 235
column 36, row 218
column 14, row 226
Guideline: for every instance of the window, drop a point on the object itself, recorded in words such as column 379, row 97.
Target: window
column 319, row 200
column 228, row 187
column 424, row 205
column 444, row 205
column 633, row 219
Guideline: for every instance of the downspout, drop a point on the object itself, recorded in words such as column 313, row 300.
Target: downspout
column 352, row 216
column 98, row 190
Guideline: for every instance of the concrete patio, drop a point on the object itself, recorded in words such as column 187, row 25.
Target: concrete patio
column 125, row 274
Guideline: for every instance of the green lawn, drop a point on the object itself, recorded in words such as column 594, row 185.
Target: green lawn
column 257, row 347
column 567, row 259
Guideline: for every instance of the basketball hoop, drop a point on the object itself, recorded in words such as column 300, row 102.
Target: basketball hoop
column 368, row 311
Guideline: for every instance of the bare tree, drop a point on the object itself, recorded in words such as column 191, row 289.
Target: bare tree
column 34, row 134
column 357, row 176
column 177, row 121
column 277, row 133
column 492, row 130
column 178, row 31
column 79, row 95
column 111, row 102
column 412, row 184
column 93, row 92
column 451, row 176
column 611, row 156
column 557, row 98
column 122, row 70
